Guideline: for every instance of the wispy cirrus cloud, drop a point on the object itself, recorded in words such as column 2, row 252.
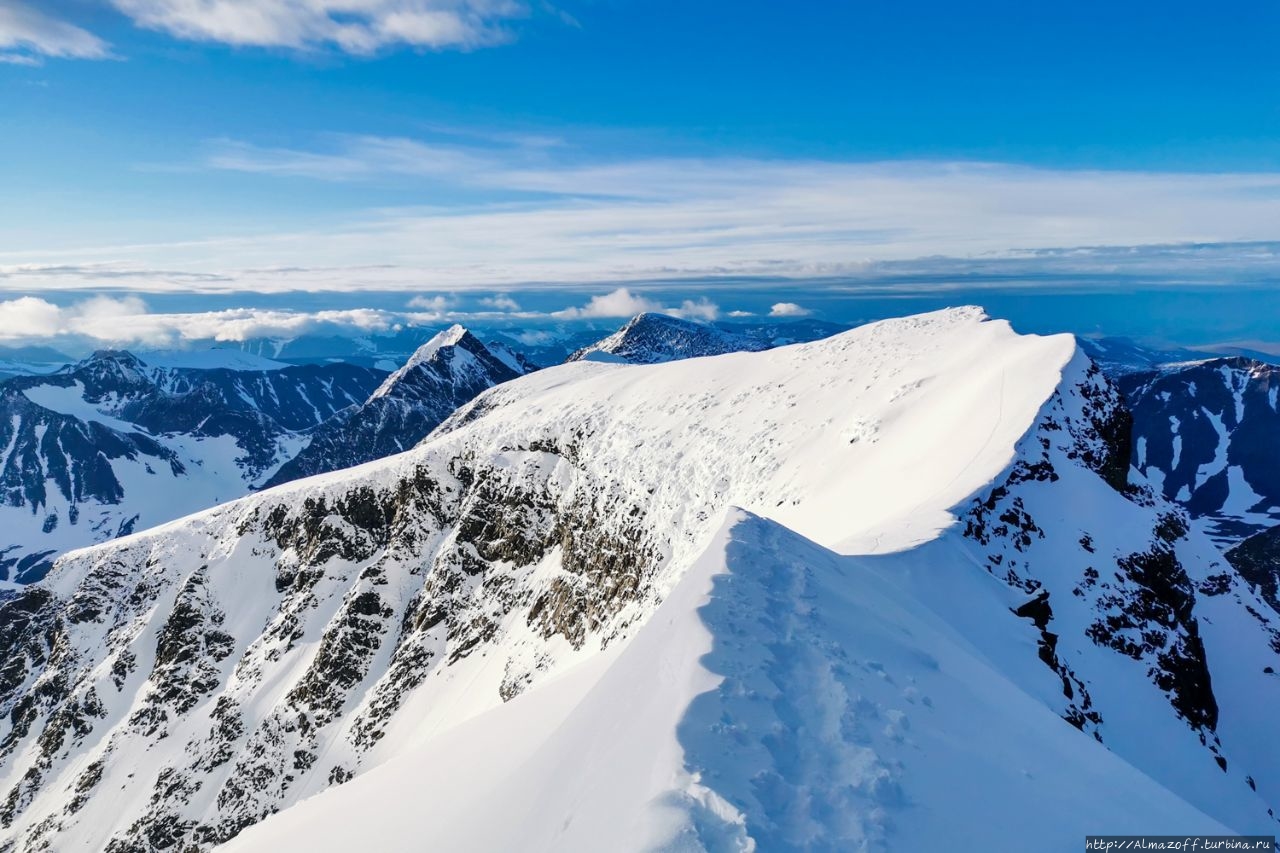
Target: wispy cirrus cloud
column 361, row 28
column 28, row 36
column 354, row 158
column 544, row 211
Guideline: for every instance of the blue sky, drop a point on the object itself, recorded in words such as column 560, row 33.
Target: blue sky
column 370, row 149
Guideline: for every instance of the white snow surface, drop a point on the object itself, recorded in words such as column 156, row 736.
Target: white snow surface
column 836, row 712
column 823, row 661
column 862, row 441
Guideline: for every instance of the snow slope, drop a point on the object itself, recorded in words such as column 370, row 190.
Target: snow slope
column 783, row 697
column 940, row 610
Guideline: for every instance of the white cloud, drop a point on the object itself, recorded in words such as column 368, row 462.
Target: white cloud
column 534, row 337
column 29, row 317
column 616, row 303
column 359, row 27
column 622, row 302
column 741, row 314
column 500, row 302
column 701, row 309
column 436, row 304
column 27, row 35
column 788, row 309
column 127, row 321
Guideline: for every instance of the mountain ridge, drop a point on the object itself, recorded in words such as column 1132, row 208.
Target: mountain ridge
column 231, row 664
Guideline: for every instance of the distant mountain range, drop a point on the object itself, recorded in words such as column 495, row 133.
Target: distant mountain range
column 111, row 444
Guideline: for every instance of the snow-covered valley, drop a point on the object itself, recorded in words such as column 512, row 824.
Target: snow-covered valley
column 876, row 592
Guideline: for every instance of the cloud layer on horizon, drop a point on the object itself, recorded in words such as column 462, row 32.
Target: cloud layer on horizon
column 540, row 211
column 128, row 321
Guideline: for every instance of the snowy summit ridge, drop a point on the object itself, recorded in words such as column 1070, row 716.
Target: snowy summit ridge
column 773, row 600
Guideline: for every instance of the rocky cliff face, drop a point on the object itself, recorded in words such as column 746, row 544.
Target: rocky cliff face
column 1126, row 583
column 169, row 690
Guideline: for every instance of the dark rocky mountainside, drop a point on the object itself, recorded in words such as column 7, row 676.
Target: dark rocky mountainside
column 1257, row 559
column 1207, row 435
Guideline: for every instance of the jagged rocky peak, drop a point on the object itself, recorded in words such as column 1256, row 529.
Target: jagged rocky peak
column 512, row 358
column 439, row 353
column 455, row 335
column 651, row 338
column 120, row 357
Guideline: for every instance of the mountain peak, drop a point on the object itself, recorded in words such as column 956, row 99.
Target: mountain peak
column 455, row 336
column 115, row 356
column 650, row 338
column 110, row 369
column 441, row 375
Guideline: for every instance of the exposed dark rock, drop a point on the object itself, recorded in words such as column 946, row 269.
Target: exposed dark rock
column 1257, row 559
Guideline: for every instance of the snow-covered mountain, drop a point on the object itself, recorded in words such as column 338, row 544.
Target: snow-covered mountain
column 651, row 338
column 545, row 345
column 445, row 372
column 1207, row 435
column 877, row 592
column 111, row 445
